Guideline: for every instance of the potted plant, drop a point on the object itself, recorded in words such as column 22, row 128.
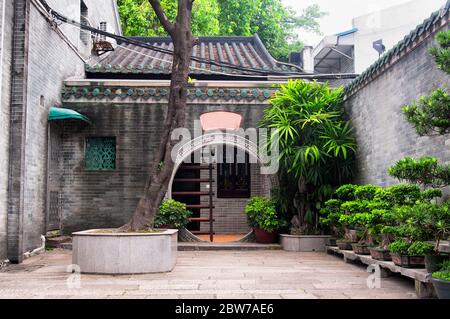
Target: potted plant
column 437, row 220
column 409, row 255
column 172, row 215
column 329, row 221
column 262, row 216
column 441, row 281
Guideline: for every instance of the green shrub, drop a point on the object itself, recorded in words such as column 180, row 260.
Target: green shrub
column 404, row 194
column 172, row 214
column 441, row 54
column 366, row 192
column 444, row 272
column 399, row 247
column 442, row 275
column 420, row 248
column 346, row 192
column 261, row 213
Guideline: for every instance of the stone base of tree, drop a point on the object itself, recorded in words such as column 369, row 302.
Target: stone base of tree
column 100, row 252
column 304, row 243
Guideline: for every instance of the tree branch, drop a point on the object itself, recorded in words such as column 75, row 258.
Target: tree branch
column 167, row 25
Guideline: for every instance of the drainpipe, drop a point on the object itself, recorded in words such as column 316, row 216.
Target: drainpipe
column 37, row 250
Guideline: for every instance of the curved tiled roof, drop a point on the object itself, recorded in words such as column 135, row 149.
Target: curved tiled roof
column 247, row 52
column 437, row 19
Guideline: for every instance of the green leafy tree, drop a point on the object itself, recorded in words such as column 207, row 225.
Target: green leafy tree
column 139, row 19
column 277, row 25
column 316, row 148
column 425, row 171
column 431, row 114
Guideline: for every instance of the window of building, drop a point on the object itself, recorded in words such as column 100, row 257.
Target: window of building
column 100, row 153
column 84, row 20
column 233, row 174
column 103, row 27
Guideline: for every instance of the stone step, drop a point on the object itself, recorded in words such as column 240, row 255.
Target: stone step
column 226, row 246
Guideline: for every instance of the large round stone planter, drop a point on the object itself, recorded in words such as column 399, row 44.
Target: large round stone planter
column 97, row 252
column 304, row 243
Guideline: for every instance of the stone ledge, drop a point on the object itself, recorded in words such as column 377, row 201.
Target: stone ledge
column 417, row 274
column 444, row 248
column 226, row 246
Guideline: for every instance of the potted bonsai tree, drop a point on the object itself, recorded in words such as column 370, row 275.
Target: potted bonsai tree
column 409, row 255
column 172, row 215
column 437, row 221
column 441, row 281
column 262, row 217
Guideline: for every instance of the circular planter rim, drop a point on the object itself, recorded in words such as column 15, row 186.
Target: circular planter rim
column 305, row 236
column 94, row 233
column 440, row 280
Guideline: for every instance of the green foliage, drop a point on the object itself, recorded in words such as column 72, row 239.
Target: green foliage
column 261, row 213
column 172, row 214
column 277, row 25
column 431, row 114
column 399, row 247
column 316, row 146
column 420, row 248
column 366, row 192
column 383, row 214
column 425, row 171
column 442, row 54
column 346, row 192
column 442, row 275
column 139, row 19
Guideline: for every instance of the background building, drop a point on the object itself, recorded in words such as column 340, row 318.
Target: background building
column 354, row 50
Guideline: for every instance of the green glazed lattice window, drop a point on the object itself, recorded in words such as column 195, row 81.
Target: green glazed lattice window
column 100, row 153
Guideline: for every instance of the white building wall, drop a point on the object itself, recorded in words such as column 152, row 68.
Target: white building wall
column 391, row 25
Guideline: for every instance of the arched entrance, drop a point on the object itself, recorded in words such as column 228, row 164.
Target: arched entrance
column 213, row 140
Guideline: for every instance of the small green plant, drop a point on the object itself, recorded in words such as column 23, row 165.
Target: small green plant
column 399, row 247
column 172, row 214
column 420, row 248
column 261, row 213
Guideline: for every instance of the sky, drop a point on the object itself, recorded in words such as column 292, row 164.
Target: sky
column 341, row 13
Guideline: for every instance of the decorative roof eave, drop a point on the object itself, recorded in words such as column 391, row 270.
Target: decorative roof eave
column 429, row 27
column 159, row 94
column 246, row 56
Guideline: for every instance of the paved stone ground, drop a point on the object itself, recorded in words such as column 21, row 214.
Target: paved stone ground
column 206, row 275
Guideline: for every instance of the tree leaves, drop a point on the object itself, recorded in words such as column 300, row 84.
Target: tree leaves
column 277, row 26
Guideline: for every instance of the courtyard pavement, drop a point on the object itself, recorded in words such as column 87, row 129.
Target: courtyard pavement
column 206, row 275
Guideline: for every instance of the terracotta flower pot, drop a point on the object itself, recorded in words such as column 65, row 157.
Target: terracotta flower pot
column 265, row 237
column 360, row 249
column 406, row 261
column 380, row 254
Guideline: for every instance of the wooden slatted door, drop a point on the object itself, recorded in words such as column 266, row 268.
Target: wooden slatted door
column 187, row 189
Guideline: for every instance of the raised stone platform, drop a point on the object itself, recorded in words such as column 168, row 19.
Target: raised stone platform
column 226, row 246
column 424, row 288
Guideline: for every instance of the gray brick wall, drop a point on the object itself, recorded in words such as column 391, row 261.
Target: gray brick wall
column 6, row 26
column 39, row 74
column 108, row 199
column 383, row 134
